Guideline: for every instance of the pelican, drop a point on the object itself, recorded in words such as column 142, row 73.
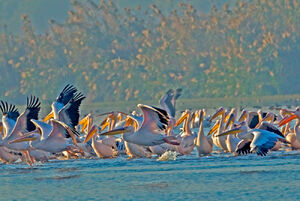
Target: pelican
column 51, row 138
column 9, row 118
column 187, row 138
column 294, row 137
column 219, row 141
column 131, row 149
column 203, row 143
column 23, row 124
column 66, row 106
column 150, row 133
column 258, row 140
column 231, row 141
column 105, row 148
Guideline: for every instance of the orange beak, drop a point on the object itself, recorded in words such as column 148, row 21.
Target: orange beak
column 287, row 119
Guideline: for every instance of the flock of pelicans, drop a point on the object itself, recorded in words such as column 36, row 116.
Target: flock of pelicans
column 61, row 134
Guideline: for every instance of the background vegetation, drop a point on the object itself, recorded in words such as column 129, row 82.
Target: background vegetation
column 125, row 51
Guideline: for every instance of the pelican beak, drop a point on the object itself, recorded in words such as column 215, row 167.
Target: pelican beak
column 181, row 119
column 230, row 121
column 48, row 117
column 214, row 128
column 128, row 122
column 201, row 115
column 221, row 111
column 92, row 132
column 268, row 117
column 104, row 126
column 23, row 139
column 232, row 131
column 243, row 116
column 119, row 118
column 287, row 119
column 84, row 122
column 117, row 131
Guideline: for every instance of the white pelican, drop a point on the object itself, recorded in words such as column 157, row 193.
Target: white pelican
column 105, row 148
column 23, row 125
column 294, row 137
column 9, row 118
column 151, row 132
column 203, row 143
column 258, row 140
column 108, row 148
column 187, row 143
column 53, row 139
column 219, row 141
column 231, row 141
column 66, row 106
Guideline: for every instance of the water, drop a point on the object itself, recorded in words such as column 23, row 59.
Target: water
column 217, row 177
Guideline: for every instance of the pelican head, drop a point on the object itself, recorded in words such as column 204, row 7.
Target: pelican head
column 220, row 111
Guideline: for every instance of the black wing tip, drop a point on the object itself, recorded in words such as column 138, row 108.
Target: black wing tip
column 9, row 109
column 33, row 102
column 66, row 94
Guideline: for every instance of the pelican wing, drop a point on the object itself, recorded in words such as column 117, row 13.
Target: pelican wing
column 33, row 108
column 166, row 102
column 10, row 110
column 10, row 114
column 263, row 141
column 23, row 123
column 177, row 93
column 269, row 127
column 44, row 128
column 66, row 94
column 69, row 114
column 243, row 147
column 154, row 118
column 61, row 131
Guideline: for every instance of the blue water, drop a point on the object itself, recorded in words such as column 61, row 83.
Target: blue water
column 217, row 177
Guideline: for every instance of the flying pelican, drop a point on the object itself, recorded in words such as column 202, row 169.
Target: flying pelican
column 258, row 140
column 150, row 133
column 294, row 137
column 66, row 107
column 203, row 143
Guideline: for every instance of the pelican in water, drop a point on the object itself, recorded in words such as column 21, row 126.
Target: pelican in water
column 9, row 117
column 168, row 102
column 294, row 137
column 151, row 132
column 257, row 140
column 203, row 143
column 231, row 140
column 219, row 141
column 187, row 138
column 104, row 148
column 50, row 138
column 23, row 124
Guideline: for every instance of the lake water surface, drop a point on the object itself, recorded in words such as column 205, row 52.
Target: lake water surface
column 217, row 177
